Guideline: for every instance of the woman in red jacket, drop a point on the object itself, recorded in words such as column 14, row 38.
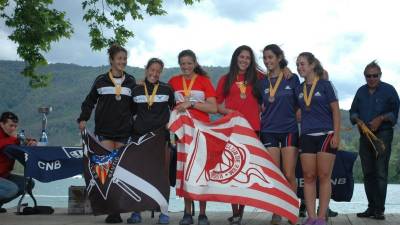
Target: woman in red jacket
column 236, row 91
column 193, row 92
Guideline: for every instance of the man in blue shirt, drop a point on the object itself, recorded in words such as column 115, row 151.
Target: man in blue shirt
column 376, row 104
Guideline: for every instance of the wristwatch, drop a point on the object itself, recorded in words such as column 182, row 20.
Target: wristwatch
column 192, row 103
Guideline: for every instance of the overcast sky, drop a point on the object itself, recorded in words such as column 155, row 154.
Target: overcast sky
column 344, row 34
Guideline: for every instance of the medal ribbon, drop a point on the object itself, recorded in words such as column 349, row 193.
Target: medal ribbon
column 150, row 99
column 307, row 98
column 273, row 89
column 241, row 85
column 186, row 90
column 117, row 86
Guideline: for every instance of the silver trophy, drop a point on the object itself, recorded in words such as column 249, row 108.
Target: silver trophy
column 45, row 110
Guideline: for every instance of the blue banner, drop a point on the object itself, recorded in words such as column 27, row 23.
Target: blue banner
column 48, row 163
column 342, row 177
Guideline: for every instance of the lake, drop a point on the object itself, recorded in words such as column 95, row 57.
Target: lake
column 56, row 194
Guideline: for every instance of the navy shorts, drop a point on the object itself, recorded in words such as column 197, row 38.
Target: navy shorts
column 123, row 140
column 279, row 140
column 315, row 144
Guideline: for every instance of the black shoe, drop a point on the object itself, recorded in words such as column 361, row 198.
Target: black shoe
column 379, row 216
column 187, row 219
column 114, row 218
column 367, row 213
column 203, row 220
column 3, row 210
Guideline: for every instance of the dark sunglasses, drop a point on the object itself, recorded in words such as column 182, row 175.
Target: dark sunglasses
column 376, row 75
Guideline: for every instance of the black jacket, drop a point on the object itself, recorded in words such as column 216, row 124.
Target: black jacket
column 112, row 118
column 150, row 119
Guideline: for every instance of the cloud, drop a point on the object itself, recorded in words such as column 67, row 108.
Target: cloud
column 344, row 35
column 238, row 10
column 9, row 48
column 77, row 48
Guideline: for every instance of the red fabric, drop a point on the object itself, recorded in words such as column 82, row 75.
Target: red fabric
column 260, row 74
column 225, row 161
column 6, row 164
column 248, row 106
column 202, row 86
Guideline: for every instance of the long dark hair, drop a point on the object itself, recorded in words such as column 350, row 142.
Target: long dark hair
column 278, row 53
column 318, row 69
column 250, row 76
column 197, row 69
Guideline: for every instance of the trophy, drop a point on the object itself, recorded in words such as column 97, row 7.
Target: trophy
column 44, row 110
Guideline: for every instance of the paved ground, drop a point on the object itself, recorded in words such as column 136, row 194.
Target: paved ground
column 216, row 218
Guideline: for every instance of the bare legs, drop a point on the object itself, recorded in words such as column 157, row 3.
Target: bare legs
column 315, row 166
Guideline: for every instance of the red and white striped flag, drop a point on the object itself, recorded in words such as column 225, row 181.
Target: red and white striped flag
column 225, row 161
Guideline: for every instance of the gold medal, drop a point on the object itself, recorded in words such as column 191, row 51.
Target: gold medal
column 150, row 99
column 118, row 87
column 273, row 89
column 242, row 88
column 307, row 98
column 186, row 89
column 271, row 99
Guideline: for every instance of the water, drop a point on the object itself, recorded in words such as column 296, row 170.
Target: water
column 56, row 194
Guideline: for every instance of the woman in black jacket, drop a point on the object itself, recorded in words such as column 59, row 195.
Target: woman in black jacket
column 153, row 102
column 111, row 95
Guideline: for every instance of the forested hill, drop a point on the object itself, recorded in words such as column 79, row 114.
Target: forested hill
column 67, row 90
column 69, row 87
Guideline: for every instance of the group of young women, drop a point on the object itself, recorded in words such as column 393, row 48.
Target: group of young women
column 273, row 103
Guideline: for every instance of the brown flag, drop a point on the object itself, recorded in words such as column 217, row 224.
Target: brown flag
column 132, row 178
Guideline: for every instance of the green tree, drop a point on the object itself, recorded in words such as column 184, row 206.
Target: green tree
column 36, row 25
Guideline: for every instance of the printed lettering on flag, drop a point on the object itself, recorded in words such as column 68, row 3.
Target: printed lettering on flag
column 225, row 161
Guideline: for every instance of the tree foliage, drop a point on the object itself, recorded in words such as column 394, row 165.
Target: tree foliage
column 36, row 26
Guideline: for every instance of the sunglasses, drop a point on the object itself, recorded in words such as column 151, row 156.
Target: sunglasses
column 376, row 75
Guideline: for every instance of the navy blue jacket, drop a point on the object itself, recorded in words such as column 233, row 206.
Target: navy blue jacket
column 383, row 102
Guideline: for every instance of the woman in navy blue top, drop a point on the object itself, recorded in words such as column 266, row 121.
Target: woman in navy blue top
column 319, row 140
column 279, row 130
